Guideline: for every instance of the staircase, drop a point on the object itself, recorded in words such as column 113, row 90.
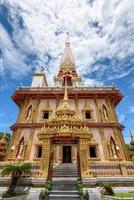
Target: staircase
column 64, row 183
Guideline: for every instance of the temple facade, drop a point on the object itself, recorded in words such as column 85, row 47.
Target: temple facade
column 69, row 123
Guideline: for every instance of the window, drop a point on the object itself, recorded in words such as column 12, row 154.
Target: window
column 67, row 81
column 45, row 115
column 88, row 115
column 39, row 151
column 92, row 151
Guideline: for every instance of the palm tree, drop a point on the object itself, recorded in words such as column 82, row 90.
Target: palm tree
column 16, row 171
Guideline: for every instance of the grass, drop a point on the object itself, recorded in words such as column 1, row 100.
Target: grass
column 5, row 195
column 124, row 194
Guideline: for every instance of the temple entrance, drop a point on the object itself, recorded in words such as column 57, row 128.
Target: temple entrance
column 67, row 157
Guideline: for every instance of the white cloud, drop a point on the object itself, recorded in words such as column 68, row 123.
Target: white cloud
column 101, row 29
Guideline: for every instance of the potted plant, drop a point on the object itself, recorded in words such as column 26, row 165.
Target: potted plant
column 107, row 189
column 16, row 171
column 44, row 194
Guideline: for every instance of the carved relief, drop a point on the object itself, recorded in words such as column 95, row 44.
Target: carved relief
column 104, row 113
column 29, row 113
column 21, row 148
column 113, row 149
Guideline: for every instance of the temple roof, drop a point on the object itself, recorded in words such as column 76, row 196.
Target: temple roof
column 67, row 60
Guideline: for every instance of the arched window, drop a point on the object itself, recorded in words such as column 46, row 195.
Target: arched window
column 105, row 113
column 29, row 112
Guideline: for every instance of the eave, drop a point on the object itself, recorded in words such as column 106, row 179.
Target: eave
column 109, row 92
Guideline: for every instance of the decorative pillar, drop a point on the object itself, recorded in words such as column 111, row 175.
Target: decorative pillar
column 45, row 157
column 114, row 112
column 54, row 153
column 97, row 110
column 21, row 116
column 120, row 141
column 35, row 112
column 123, row 169
column 29, row 144
column 83, row 154
column 104, row 144
column 113, row 116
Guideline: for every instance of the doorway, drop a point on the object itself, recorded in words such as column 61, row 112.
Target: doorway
column 67, row 154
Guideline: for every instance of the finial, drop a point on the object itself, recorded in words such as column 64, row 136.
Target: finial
column 67, row 39
column 113, row 84
column 130, row 132
column 42, row 68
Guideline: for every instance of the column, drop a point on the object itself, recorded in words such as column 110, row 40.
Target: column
column 29, row 144
column 97, row 111
column 21, row 116
column 104, row 144
column 35, row 111
column 120, row 141
column 45, row 157
column 83, row 153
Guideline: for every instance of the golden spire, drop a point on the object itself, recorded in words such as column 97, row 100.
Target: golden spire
column 132, row 139
column 67, row 59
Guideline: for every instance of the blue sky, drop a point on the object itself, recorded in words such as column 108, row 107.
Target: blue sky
column 33, row 33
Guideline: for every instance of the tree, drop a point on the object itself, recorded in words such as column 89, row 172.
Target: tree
column 16, row 171
column 6, row 139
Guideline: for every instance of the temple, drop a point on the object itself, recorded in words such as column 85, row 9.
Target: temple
column 69, row 123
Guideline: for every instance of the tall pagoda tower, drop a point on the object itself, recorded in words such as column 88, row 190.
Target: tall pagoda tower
column 69, row 123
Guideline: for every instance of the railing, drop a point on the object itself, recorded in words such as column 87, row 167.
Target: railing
column 105, row 169
column 95, row 88
column 130, row 169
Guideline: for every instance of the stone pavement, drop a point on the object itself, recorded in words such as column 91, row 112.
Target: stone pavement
column 94, row 193
column 34, row 194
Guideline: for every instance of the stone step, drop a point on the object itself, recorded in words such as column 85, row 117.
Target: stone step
column 56, row 197
column 65, row 171
column 59, row 192
column 65, row 188
column 64, row 185
column 64, row 198
column 64, row 175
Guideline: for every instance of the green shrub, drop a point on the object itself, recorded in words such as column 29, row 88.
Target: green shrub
column 107, row 188
column 86, row 195
column 45, row 192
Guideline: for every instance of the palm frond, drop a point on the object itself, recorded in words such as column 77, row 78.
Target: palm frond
column 16, row 169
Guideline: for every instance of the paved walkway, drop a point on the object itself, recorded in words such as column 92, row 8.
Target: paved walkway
column 34, row 193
